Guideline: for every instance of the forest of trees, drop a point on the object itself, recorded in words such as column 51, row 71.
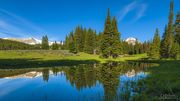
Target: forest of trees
column 108, row 44
column 169, row 45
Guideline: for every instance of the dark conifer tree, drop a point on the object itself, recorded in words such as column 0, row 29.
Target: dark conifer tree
column 79, row 37
column 110, row 43
column 66, row 44
column 55, row 46
column 116, row 45
column 72, row 44
column 106, row 41
column 177, row 28
column 175, row 51
column 155, row 46
column 90, row 42
column 168, row 36
column 45, row 43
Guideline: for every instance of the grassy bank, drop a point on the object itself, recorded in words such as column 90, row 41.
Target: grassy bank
column 60, row 55
column 43, row 58
column 163, row 81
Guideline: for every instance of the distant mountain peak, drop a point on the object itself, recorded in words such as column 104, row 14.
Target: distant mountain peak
column 30, row 40
column 131, row 40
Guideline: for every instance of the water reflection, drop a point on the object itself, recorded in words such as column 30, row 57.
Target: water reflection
column 109, row 81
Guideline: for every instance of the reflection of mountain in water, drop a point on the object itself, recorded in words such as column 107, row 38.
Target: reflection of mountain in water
column 131, row 73
column 110, row 75
column 32, row 74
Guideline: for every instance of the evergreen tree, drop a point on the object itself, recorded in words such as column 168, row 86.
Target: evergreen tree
column 177, row 28
column 90, row 42
column 66, row 45
column 72, row 44
column 110, row 43
column 55, row 46
column 45, row 43
column 98, row 42
column 137, row 48
column 79, row 37
column 168, row 36
column 175, row 52
column 116, row 45
column 145, row 47
column 106, row 41
column 164, row 45
column 155, row 46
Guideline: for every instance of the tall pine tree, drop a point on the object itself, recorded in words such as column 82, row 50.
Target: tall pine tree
column 175, row 50
column 177, row 28
column 72, row 43
column 116, row 45
column 155, row 46
column 79, row 37
column 45, row 43
column 90, row 42
column 110, row 43
column 55, row 46
column 168, row 37
column 106, row 41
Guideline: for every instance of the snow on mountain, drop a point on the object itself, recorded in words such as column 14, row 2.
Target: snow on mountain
column 131, row 40
column 31, row 41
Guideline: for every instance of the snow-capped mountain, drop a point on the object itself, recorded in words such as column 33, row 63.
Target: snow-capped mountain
column 131, row 40
column 31, row 41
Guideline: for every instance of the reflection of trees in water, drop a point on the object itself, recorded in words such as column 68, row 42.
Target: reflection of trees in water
column 109, row 77
column 83, row 76
column 45, row 74
column 107, row 74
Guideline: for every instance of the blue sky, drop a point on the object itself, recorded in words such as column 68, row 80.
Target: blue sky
column 56, row 18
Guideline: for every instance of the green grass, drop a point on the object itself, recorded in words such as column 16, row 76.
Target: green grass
column 61, row 55
column 49, row 58
column 163, row 80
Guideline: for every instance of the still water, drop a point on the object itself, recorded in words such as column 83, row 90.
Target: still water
column 90, row 82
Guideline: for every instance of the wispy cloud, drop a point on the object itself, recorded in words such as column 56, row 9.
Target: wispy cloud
column 126, row 10
column 12, row 25
column 133, row 6
column 142, row 8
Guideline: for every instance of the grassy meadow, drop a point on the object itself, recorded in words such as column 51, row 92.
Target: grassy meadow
column 44, row 55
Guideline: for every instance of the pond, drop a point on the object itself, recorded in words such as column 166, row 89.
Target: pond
column 90, row 82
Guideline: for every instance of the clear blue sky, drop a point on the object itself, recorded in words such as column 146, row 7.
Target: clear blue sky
column 56, row 18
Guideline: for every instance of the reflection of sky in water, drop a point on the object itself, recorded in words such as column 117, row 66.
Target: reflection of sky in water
column 57, row 88
column 126, row 82
column 71, row 84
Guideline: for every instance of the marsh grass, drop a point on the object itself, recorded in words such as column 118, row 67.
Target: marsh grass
column 162, row 80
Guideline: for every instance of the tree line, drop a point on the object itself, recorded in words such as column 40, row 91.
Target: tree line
column 14, row 45
column 169, row 45
column 108, row 44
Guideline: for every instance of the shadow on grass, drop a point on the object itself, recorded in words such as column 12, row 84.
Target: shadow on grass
column 35, row 63
column 146, row 60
